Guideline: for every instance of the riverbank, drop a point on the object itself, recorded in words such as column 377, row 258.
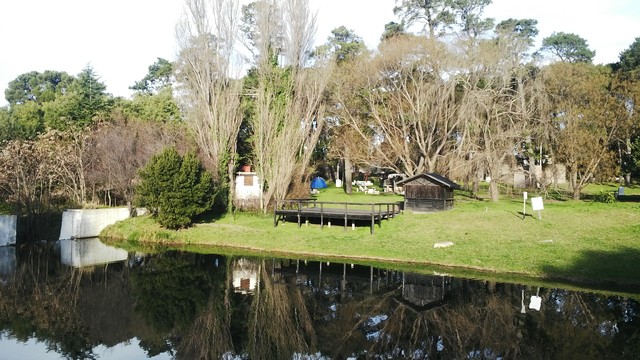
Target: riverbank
column 582, row 242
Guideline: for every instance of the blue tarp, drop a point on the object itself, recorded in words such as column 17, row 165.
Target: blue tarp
column 318, row 183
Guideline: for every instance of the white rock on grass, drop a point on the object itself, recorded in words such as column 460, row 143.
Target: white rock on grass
column 443, row 244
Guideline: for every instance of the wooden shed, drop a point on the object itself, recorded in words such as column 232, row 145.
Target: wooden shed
column 428, row 192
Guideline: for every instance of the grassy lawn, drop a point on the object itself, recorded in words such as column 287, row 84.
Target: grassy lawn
column 577, row 241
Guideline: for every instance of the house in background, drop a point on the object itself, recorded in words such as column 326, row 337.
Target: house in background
column 247, row 188
column 428, row 192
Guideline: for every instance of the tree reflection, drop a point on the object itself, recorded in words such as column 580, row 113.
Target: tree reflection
column 211, row 307
column 33, row 304
column 209, row 336
column 484, row 323
column 279, row 323
column 170, row 290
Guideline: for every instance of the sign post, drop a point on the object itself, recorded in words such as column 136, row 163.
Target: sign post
column 536, row 204
column 524, row 205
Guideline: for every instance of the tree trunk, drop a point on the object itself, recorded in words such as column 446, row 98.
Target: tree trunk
column 493, row 190
column 576, row 193
column 347, row 175
column 628, row 150
column 232, row 186
column 575, row 187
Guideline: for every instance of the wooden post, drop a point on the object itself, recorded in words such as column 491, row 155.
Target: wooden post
column 275, row 219
column 299, row 204
column 444, row 198
column 345, row 217
column 321, row 216
column 372, row 219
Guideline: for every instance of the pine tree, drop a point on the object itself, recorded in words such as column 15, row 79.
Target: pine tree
column 175, row 189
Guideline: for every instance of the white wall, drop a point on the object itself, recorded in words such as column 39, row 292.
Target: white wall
column 8, row 229
column 85, row 223
column 245, row 192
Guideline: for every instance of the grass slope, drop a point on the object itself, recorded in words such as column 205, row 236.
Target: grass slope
column 584, row 242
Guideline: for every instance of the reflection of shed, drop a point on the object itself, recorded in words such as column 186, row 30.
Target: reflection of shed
column 428, row 192
column 425, row 292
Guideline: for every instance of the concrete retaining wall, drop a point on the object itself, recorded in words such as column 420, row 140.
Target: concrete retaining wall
column 86, row 223
column 8, row 229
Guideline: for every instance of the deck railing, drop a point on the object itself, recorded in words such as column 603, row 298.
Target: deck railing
column 347, row 210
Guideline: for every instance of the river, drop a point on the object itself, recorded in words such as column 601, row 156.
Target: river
column 82, row 299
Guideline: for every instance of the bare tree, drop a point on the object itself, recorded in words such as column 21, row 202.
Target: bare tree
column 409, row 95
column 299, row 32
column 502, row 99
column 28, row 178
column 119, row 150
column 288, row 111
column 210, row 91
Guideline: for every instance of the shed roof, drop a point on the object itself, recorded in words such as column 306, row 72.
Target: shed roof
column 434, row 178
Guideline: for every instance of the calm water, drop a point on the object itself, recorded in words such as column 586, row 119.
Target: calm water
column 84, row 300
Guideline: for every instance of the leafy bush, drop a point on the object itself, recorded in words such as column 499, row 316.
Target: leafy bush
column 5, row 209
column 175, row 189
column 606, row 197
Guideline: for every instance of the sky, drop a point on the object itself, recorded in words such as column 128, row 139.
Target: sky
column 121, row 38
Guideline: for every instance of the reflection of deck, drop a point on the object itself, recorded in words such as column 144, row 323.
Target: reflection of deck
column 323, row 211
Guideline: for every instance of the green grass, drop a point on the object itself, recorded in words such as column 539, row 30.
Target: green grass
column 576, row 241
column 593, row 189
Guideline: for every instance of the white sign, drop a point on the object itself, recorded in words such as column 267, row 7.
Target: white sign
column 524, row 195
column 536, row 203
column 535, row 303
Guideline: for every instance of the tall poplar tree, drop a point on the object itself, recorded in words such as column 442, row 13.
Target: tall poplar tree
column 286, row 93
column 210, row 86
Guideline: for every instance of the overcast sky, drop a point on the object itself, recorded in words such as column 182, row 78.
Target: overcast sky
column 121, row 38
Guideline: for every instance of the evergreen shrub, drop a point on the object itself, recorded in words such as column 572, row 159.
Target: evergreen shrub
column 175, row 189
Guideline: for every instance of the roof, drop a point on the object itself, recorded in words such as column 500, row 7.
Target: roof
column 434, row 178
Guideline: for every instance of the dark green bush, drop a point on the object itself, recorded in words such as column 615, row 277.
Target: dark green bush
column 5, row 209
column 607, row 197
column 175, row 189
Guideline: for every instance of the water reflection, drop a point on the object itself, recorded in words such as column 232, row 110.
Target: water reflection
column 190, row 306
column 89, row 252
column 7, row 262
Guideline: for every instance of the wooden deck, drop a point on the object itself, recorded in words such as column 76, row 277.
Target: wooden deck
column 323, row 211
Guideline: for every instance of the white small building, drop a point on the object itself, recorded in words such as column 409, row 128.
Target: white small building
column 248, row 189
